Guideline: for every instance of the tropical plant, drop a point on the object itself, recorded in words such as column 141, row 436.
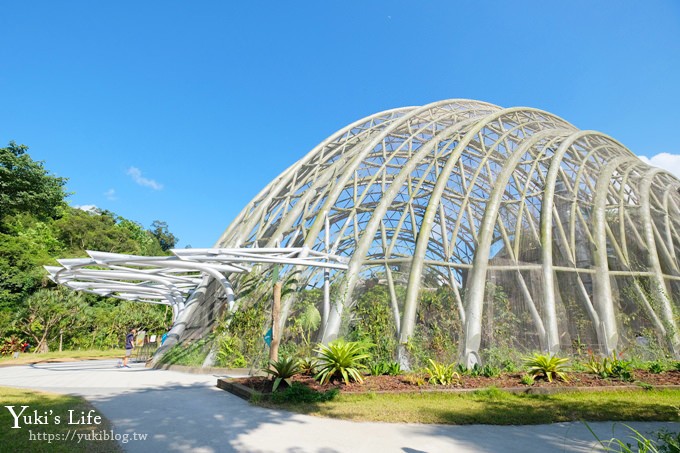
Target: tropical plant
column 306, row 321
column 282, row 370
column 441, row 374
column 228, row 352
column 509, row 365
column 417, row 379
column 10, row 344
column 373, row 322
column 308, row 365
column 385, row 368
column 341, row 359
column 188, row 354
column 527, row 379
column 655, row 367
column 378, row 369
column 487, row 370
column 394, row 369
column 610, row 367
column 547, row 365
column 47, row 312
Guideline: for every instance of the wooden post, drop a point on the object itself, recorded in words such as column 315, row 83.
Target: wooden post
column 276, row 315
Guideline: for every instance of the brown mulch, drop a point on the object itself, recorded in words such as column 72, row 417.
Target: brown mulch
column 406, row 383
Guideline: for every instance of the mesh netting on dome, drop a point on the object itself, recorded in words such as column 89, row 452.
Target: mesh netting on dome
column 470, row 228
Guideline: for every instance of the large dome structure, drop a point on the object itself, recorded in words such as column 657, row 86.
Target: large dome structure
column 513, row 212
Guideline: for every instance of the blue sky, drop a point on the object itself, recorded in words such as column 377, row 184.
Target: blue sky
column 183, row 111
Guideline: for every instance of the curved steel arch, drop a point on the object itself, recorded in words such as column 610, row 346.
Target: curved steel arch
column 460, row 186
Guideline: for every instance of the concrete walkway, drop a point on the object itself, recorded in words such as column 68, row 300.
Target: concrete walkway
column 182, row 412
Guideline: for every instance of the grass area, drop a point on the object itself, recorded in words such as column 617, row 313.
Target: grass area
column 30, row 357
column 50, row 437
column 495, row 407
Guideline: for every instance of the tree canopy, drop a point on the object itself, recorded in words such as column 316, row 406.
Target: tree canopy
column 36, row 227
column 166, row 239
column 25, row 185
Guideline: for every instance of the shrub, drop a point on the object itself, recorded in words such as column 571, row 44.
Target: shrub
column 441, row 374
column 490, row 371
column 373, row 322
column 510, row 366
column 229, row 354
column 187, row 354
column 341, row 359
column 655, row 367
column 394, row 369
column 308, row 365
column 378, row 369
column 548, row 366
column 385, row 368
column 415, row 379
column 10, row 344
column 527, row 379
column 610, row 367
column 300, row 393
column 282, row 370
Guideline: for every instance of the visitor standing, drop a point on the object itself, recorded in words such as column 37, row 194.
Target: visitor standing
column 129, row 345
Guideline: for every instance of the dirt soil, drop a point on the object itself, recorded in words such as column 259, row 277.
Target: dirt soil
column 408, row 383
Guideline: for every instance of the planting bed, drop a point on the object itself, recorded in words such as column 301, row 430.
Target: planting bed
column 408, row 383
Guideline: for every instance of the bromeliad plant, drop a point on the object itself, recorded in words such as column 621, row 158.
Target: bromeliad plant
column 610, row 367
column 283, row 370
column 385, row 368
column 341, row 359
column 548, row 366
column 308, row 365
column 441, row 374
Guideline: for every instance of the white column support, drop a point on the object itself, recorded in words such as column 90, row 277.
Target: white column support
column 660, row 291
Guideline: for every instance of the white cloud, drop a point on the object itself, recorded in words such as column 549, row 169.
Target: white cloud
column 667, row 161
column 111, row 195
column 88, row 208
column 137, row 177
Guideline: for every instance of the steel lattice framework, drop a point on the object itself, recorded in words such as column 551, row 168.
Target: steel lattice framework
column 460, row 193
column 177, row 280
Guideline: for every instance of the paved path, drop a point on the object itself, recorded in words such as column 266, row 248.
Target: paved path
column 186, row 413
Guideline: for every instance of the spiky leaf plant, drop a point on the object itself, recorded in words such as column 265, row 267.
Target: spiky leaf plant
column 441, row 374
column 548, row 366
column 341, row 359
column 308, row 365
column 283, row 370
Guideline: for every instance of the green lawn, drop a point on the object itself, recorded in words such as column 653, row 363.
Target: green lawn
column 27, row 358
column 52, row 436
column 495, row 407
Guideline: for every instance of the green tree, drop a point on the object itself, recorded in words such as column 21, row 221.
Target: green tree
column 80, row 231
column 36, row 226
column 48, row 312
column 20, row 268
column 166, row 239
column 25, row 185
